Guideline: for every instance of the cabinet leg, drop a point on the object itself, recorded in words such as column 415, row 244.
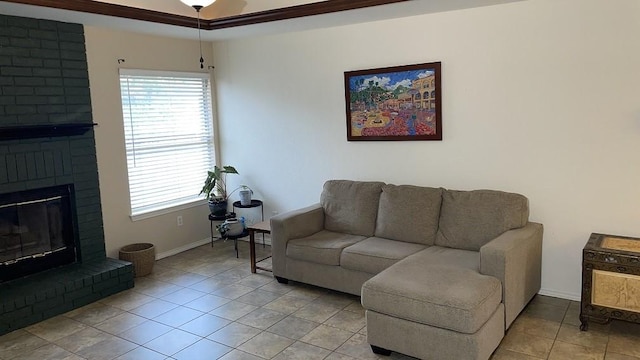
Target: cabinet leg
column 584, row 323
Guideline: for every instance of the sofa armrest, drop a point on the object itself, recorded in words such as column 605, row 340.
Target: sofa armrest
column 292, row 225
column 515, row 257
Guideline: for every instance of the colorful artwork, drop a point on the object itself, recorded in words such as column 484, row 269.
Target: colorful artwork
column 395, row 103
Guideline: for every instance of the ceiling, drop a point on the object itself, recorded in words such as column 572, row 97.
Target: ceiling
column 227, row 19
column 219, row 9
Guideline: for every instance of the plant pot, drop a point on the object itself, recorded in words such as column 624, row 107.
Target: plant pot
column 218, row 207
column 245, row 197
column 234, row 227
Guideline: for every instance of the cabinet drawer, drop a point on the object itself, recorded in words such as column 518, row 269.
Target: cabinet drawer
column 616, row 290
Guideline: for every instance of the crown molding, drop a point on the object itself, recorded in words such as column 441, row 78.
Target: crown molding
column 292, row 12
column 100, row 8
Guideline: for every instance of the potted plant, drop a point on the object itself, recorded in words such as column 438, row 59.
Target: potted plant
column 215, row 189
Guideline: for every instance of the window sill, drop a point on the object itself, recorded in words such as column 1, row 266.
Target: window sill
column 154, row 213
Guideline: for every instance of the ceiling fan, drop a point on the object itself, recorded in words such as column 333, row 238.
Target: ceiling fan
column 198, row 5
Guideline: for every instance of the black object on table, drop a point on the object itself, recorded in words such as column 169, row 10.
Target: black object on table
column 254, row 203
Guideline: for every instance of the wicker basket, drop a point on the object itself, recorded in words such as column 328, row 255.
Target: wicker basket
column 142, row 255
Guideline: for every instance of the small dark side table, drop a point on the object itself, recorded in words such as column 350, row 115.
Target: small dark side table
column 260, row 228
column 235, row 238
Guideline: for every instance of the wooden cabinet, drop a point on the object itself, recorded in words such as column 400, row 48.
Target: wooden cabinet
column 610, row 279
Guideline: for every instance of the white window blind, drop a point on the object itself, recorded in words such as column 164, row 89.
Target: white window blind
column 168, row 136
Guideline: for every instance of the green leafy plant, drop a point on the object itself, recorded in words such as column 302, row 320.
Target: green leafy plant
column 215, row 186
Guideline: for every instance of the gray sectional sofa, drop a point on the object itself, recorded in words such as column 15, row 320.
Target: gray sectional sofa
column 441, row 273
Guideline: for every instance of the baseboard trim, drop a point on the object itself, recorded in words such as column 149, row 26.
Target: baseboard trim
column 180, row 249
column 193, row 245
column 560, row 294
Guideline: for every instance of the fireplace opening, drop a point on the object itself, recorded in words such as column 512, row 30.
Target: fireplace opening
column 37, row 231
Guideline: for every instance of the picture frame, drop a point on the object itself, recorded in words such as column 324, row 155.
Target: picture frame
column 395, row 103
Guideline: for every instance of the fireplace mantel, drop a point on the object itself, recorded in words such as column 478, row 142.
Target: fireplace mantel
column 47, row 130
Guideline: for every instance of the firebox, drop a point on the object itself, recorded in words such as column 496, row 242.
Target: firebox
column 37, row 231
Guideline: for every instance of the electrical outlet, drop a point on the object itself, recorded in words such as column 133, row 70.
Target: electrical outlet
column 274, row 212
column 180, row 220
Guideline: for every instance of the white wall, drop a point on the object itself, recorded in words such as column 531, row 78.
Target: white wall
column 539, row 97
column 104, row 48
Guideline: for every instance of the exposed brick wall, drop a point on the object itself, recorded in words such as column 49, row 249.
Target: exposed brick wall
column 43, row 72
column 44, row 77
column 44, row 80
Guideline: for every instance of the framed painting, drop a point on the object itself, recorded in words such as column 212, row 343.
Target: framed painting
column 394, row 103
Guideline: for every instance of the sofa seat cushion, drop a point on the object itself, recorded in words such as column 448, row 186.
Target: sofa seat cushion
column 374, row 254
column 444, row 296
column 470, row 219
column 323, row 247
column 351, row 206
column 409, row 213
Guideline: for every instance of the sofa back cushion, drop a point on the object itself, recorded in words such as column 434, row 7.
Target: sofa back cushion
column 409, row 213
column 351, row 206
column 470, row 219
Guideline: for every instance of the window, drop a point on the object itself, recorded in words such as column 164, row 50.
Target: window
column 168, row 137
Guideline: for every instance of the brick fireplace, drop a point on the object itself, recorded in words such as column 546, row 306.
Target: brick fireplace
column 47, row 142
column 37, row 231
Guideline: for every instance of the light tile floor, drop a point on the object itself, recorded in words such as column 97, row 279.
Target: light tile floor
column 205, row 304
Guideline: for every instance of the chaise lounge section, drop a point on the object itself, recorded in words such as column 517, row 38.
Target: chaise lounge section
column 441, row 273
